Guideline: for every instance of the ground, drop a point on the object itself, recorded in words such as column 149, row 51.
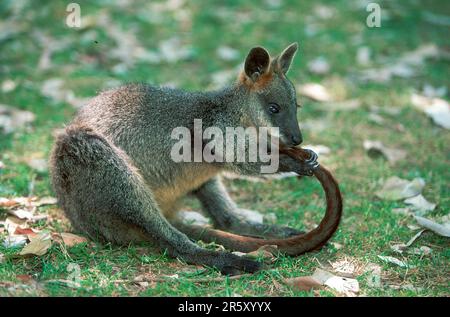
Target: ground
column 89, row 59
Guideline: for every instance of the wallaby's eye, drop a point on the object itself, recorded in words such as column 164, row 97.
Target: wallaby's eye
column 274, row 108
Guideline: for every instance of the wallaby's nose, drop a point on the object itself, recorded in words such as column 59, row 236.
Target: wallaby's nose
column 296, row 140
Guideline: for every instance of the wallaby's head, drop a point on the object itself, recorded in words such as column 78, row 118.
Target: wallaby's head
column 272, row 97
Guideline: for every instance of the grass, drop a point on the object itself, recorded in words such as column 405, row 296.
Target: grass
column 369, row 226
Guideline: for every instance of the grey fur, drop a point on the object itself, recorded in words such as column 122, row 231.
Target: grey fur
column 113, row 175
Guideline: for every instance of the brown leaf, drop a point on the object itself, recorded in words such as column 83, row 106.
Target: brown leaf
column 38, row 246
column 71, row 239
column 304, row 283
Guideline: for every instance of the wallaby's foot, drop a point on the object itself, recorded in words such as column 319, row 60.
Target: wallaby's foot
column 226, row 263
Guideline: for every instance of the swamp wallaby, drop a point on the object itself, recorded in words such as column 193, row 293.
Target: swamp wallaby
column 114, row 177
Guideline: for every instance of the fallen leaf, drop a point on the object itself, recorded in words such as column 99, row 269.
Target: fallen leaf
column 38, row 164
column 6, row 202
column 319, row 66
column 8, row 85
column 440, row 229
column 437, row 109
column 12, row 118
column 402, row 211
column 343, row 266
column 423, row 250
column 24, row 277
column 345, row 105
column 363, row 56
column 12, row 223
column 304, row 283
column 315, row 92
column 14, row 241
column 399, row 248
column 405, row 67
column 38, row 246
column 20, row 213
column 344, row 285
column 227, row 53
column 375, row 117
column 420, row 205
column 391, row 259
column 71, row 239
column 433, row 92
column 396, row 188
column 44, row 201
column 377, row 148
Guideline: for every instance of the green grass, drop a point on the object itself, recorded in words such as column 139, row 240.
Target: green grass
column 368, row 228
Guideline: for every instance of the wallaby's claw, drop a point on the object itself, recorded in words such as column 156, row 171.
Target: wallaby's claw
column 235, row 265
column 311, row 163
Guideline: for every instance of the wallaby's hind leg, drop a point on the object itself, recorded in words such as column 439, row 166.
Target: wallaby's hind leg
column 219, row 205
column 104, row 196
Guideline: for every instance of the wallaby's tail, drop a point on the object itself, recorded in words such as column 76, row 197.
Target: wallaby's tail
column 294, row 245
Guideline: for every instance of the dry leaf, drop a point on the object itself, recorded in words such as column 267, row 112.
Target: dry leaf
column 437, row 109
column 227, row 53
column 21, row 213
column 399, row 248
column 304, row 283
column 344, row 285
column 12, row 118
column 404, row 67
column 38, row 164
column 441, row 229
column 14, row 241
column 12, row 223
column 345, row 105
column 376, row 148
column 319, row 66
column 343, row 266
column 420, row 205
column 391, row 259
column 396, row 188
column 433, row 92
column 8, row 85
column 315, row 92
column 423, row 250
column 71, row 239
column 363, row 56
column 38, row 246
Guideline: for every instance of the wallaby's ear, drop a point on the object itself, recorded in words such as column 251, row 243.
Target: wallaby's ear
column 285, row 59
column 256, row 63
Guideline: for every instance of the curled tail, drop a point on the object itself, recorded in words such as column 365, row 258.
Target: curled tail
column 295, row 245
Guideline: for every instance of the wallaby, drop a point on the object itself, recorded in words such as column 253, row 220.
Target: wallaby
column 114, row 177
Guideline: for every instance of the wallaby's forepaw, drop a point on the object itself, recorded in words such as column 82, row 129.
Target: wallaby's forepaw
column 305, row 168
column 230, row 264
